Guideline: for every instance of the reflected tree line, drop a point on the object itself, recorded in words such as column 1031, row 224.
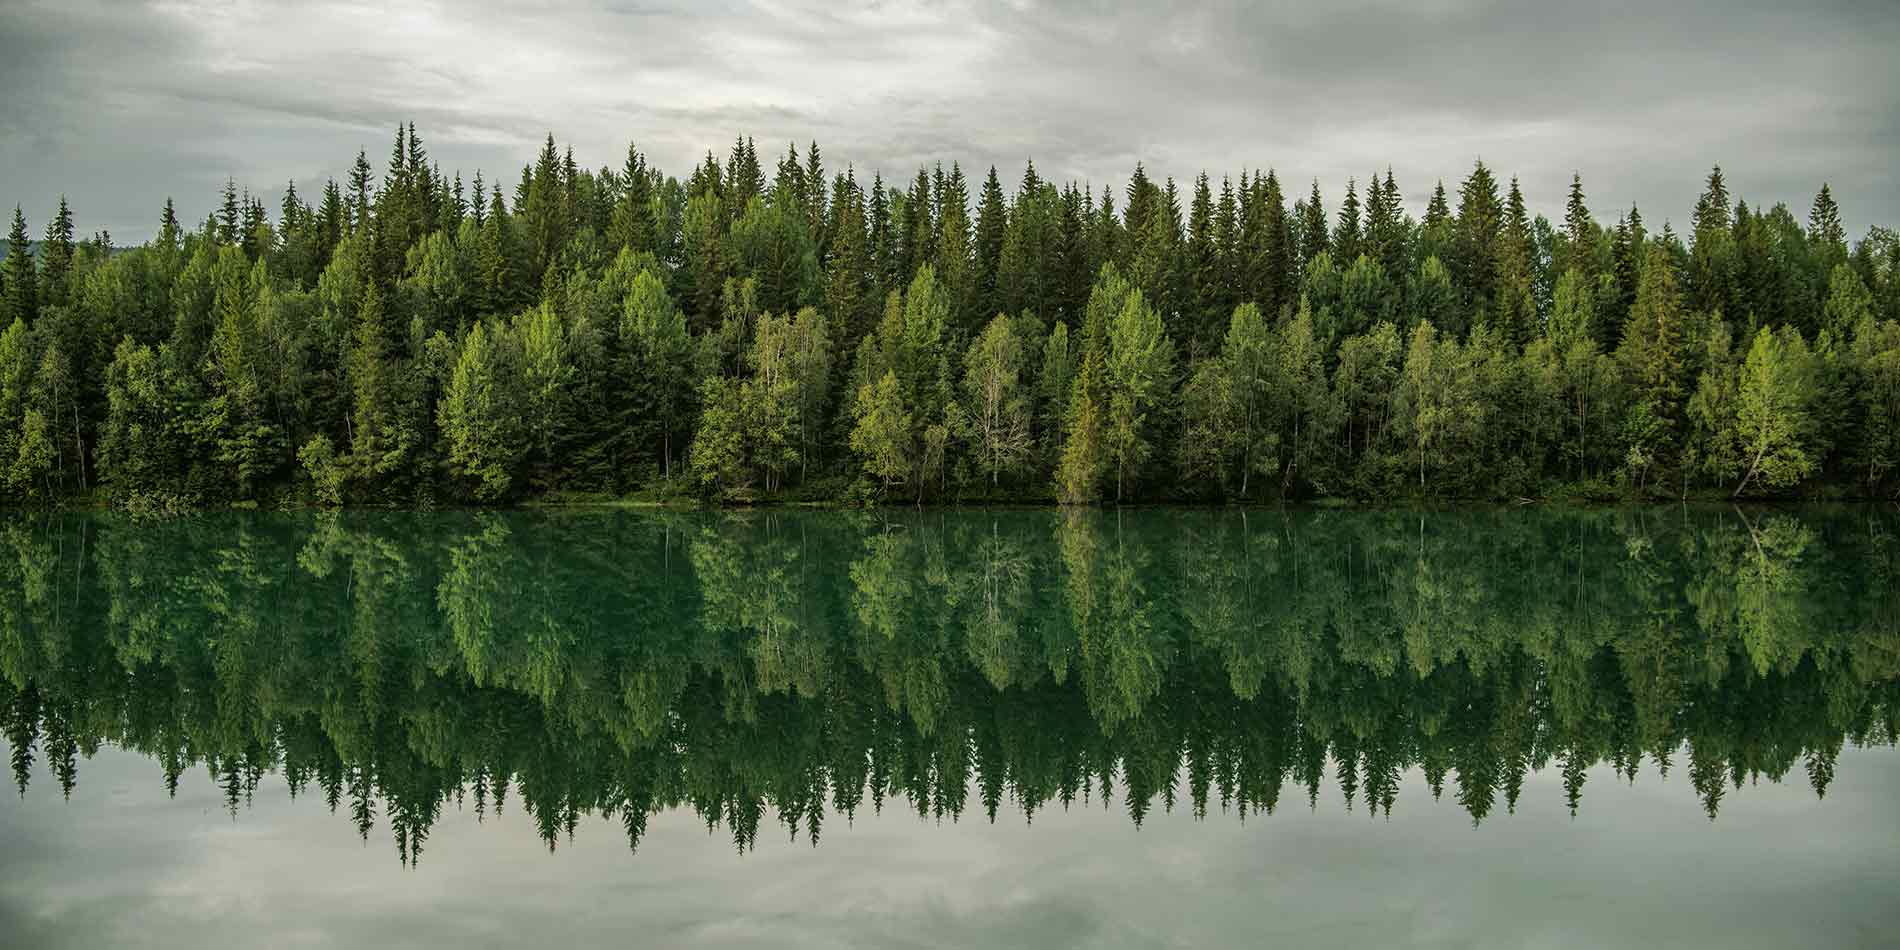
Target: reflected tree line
column 786, row 668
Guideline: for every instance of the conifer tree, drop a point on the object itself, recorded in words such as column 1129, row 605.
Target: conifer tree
column 1271, row 241
column 815, row 204
column 1475, row 236
column 1825, row 234
column 360, row 194
column 1345, row 244
column 953, row 260
column 20, row 276
column 633, row 226
column 1314, row 240
column 885, row 254
column 1203, row 265
column 1578, row 228
column 1652, row 355
column 56, row 255
column 849, row 289
column 1712, row 256
column 992, row 228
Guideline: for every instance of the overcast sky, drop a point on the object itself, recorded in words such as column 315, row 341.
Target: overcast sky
column 119, row 104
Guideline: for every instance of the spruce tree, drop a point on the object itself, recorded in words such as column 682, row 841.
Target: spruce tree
column 1712, row 256
column 815, row 205
column 1273, row 282
column 228, row 214
column 633, row 226
column 21, row 276
column 849, row 276
column 1652, row 355
column 1579, row 232
column 1391, row 231
column 1381, row 219
column 953, row 261
column 883, row 250
column 992, row 227
column 1203, row 269
column 1227, row 247
column 1475, row 235
column 1825, row 234
column 1345, row 245
column 56, row 255
column 360, row 193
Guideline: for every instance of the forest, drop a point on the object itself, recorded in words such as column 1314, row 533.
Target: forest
column 780, row 667
column 619, row 333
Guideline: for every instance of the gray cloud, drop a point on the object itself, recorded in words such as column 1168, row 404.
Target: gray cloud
column 119, row 105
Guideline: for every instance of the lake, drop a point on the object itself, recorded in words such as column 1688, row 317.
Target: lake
column 1495, row 728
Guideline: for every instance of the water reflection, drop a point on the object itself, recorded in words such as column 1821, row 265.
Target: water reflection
column 781, row 669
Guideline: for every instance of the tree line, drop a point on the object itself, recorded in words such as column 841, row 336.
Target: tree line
column 593, row 333
column 404, row 664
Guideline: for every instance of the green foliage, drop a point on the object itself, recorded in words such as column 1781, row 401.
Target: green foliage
column 998, row 403
column 882, row 435
column 1210, row 344
column 481, row 414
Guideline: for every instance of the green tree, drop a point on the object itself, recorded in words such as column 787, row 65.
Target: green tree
column 19, row 276
column 998, row 404
column 1251, row 360
column 657, row 371
column 1652, row 357
column 1140, row 372
column 481, row 414
column 1772, row 411
column 882, row 434
column 240, row 416
column 1848, row 301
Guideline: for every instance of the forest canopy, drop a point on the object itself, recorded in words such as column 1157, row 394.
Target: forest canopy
column 409, row 338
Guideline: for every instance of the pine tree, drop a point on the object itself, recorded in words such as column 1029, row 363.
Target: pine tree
column 1652, row 355
column 21, row 276
column 1578, row 229
column 1346, row 238
column 633, row 226
column 56, row 255
column 1227, row 257
column 882, row 241
column 849, row 278
column 228, row 214
column 992, row 228
column 1825, row 234
column 953, row 260
column 1203, row 265
column 1314, row 240
column 1712, row 208
column 1381, row 220
column 1271, row 242
column 1479, row 225
column 360, row 194
column 1515, row 310
column 815, row 206
column 1712, row 257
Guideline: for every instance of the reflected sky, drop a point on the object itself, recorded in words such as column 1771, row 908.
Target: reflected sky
column 122, row 865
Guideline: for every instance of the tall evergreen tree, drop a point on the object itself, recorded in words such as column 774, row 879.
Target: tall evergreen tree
column 1346, row 245
column 56, row 255
column 1476, row 231
column 20, row 277
column 1578, row 229
column 360, row 194
column 992, row 228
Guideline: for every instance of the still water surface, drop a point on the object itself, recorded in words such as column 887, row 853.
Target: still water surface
column 1025, row 728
